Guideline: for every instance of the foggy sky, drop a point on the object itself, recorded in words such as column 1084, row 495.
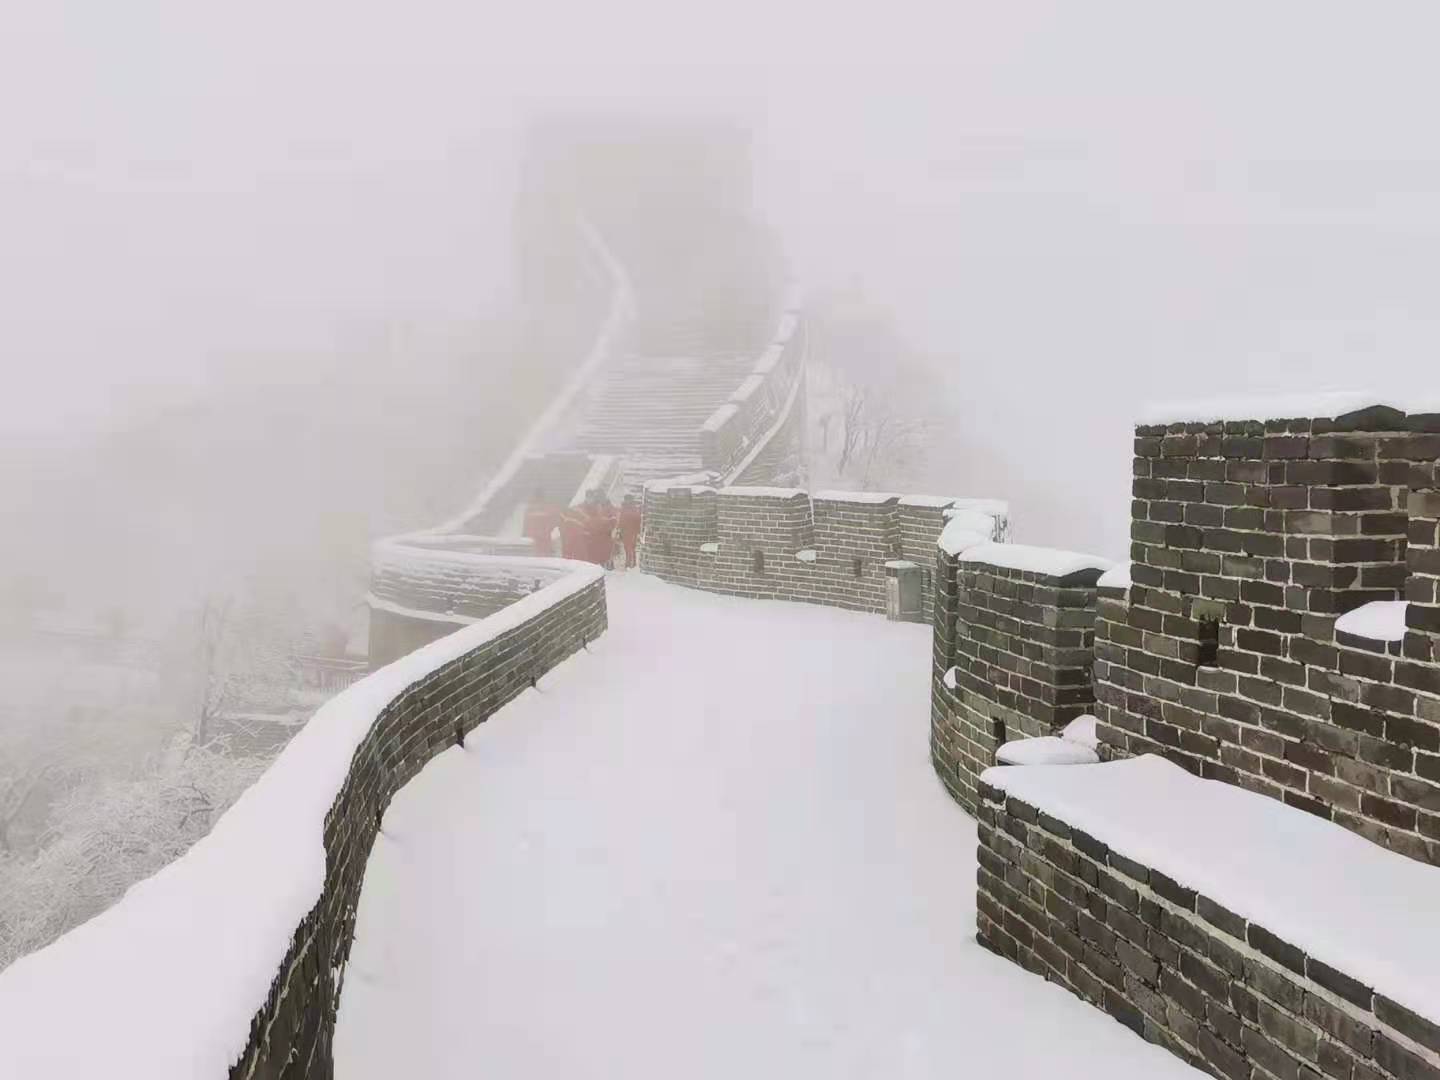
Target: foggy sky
column 1072, row 207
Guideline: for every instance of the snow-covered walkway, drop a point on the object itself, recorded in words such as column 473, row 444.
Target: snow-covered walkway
column 712, row 846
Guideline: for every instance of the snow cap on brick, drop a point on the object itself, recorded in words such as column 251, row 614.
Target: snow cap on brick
column 1117, row 577
column 1317, row 403
column 1052, row 562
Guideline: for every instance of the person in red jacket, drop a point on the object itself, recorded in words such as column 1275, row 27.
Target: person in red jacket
column 600, row 528
column 541, row 521
column 629, row 528
column 574, row 533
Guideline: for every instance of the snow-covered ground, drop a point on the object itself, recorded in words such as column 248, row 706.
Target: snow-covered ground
column 711, row 846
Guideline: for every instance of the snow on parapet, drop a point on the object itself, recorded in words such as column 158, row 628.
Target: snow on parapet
column 1379, row 620
column 746, row 388
column 761, row 492
column 867, row 498
column 1046, row 750
column 1117, row 577
column 966, row 528
column 165, row 983
column 1082, row 730
column 768, row 359
column 720, row 417
column 958, row 537
column 1306, row 879
column 701, row 481
column 1318, row 403
column 1053, row 562
column 927, row 502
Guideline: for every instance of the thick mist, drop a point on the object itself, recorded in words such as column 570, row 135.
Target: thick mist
column 260, row 303
column 1070, row 210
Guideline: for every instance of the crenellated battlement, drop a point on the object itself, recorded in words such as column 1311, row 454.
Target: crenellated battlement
column 830, row 547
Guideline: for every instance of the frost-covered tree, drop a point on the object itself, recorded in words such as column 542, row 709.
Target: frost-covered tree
column 106, row 836
column 103, row 807
column 879, row 423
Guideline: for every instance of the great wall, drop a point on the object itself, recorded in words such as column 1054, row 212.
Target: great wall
column 1234, row 873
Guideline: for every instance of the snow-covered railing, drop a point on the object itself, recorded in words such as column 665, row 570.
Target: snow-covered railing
column 230, row 961
column 734, row 436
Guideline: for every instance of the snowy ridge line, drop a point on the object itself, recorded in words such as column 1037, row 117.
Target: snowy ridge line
column 184, row 976
column 621, row 313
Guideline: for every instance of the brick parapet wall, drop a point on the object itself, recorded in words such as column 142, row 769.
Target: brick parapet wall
column 291, row 1033
column 1422, row 586
column 807, row 546
column 918, row 521
column 1018, row 647
column 854, row 538
column 949, row 744
column 758, row 536
column 1249, row 539
column 1308, row 515
column 681, row 520
column 1228, row 996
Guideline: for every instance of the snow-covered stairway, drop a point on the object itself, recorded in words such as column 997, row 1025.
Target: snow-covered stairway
column 649, row 409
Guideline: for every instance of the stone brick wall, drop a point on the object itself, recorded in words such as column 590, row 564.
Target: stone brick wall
column 1231, row 997
column 759, row 531
column 290, row 1036
column 919, row 520
column 783, row 544
column 855, row 535
column 682, row 518
column 1013, row 652
column 1249, row 539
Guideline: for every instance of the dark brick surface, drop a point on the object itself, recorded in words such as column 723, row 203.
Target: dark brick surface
column 1227, row 996
column 1315, row 517
column 1021, row 645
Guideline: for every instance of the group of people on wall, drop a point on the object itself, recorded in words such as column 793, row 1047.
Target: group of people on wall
column 596, row 531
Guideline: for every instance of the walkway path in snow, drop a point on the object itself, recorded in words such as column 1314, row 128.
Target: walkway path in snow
column 710, row 847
